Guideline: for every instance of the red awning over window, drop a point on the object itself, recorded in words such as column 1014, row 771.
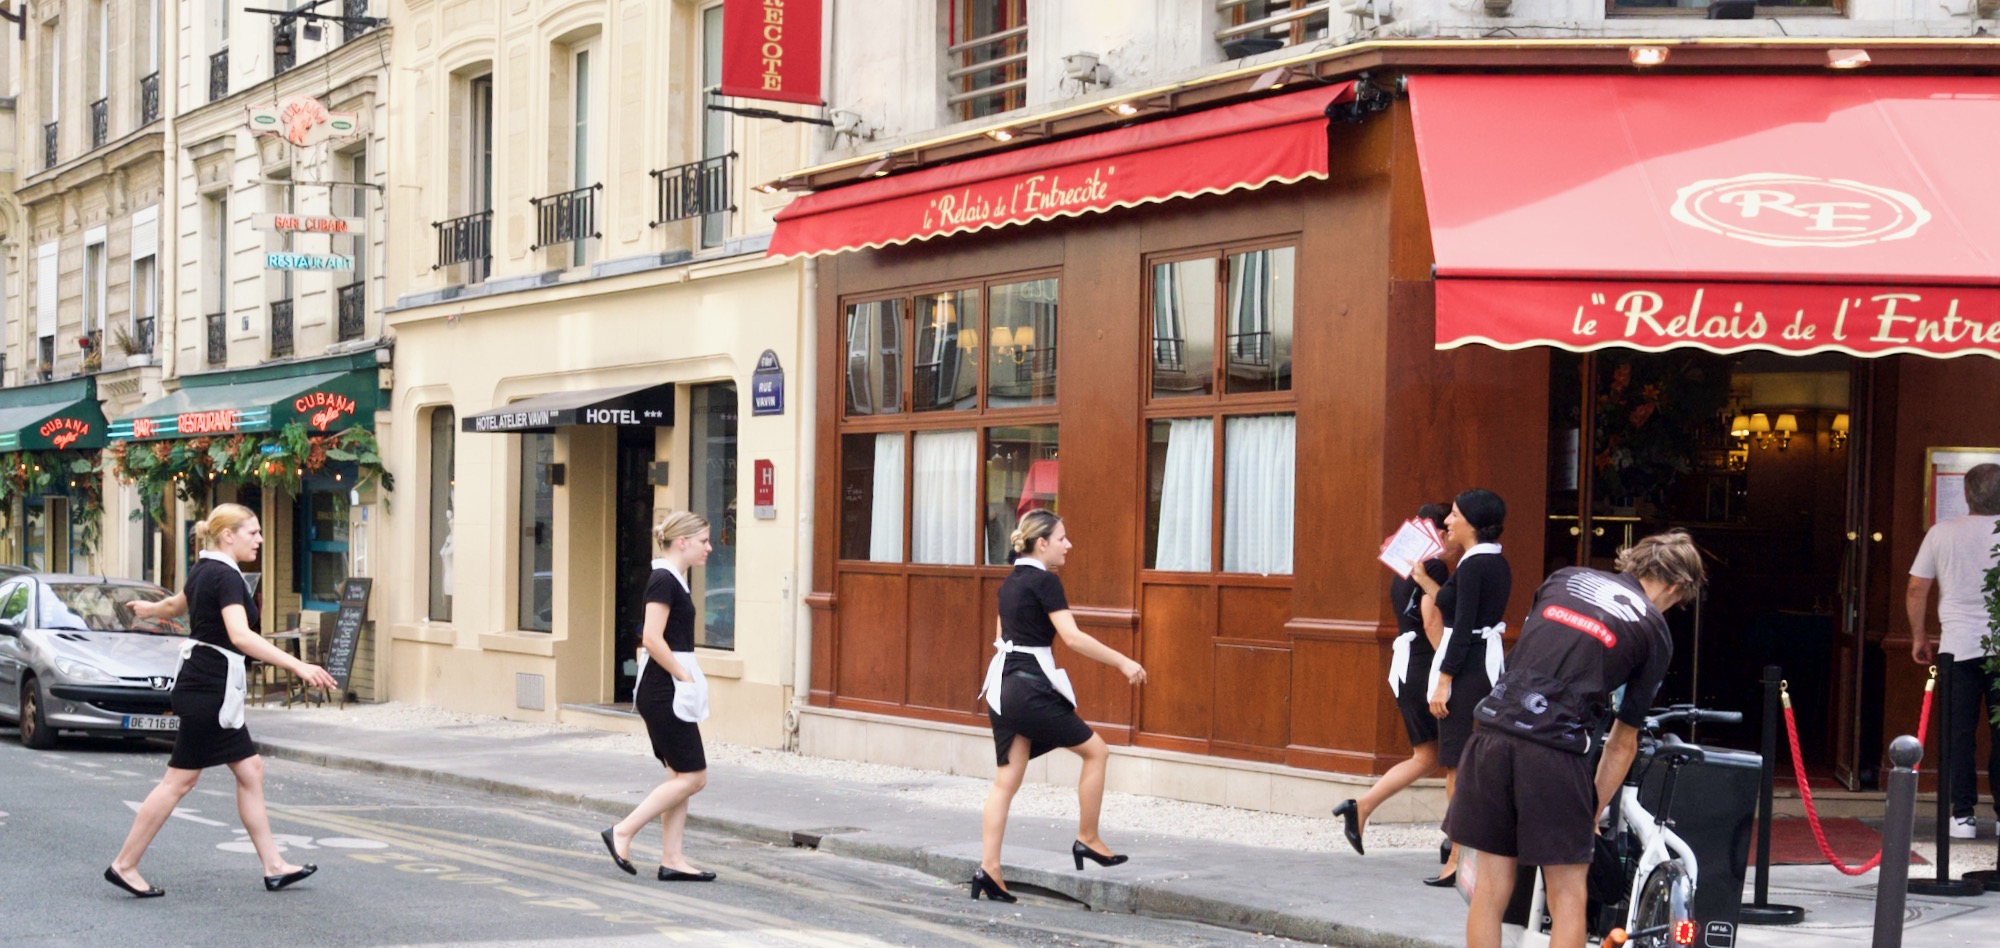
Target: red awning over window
column 1788, row 213
column 1242, row 146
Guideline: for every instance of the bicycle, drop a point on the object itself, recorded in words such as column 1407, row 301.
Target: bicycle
column 1660, row 883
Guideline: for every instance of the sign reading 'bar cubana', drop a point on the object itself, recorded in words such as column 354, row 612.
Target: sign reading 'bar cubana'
column 1581, row 315
column 770, row 50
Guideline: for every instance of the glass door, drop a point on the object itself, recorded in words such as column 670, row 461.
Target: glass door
column 322, row 519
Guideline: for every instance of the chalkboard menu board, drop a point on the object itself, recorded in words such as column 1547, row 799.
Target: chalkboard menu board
column 347, row 629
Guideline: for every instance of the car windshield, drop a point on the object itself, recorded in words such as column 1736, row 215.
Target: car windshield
column 103, row 607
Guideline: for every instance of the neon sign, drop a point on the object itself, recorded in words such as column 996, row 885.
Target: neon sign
column 323, row 408
column 63, row 432
column 145, row 427
column 220, row 421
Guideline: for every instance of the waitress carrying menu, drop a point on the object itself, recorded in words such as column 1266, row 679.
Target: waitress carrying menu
column 208, row 697
column 1474, row 606
column 1030, row 700
column 672, row 698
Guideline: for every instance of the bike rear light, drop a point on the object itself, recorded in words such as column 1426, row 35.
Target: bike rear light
column 1684, row 933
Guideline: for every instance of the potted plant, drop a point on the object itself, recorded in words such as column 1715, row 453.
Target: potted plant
column 136, row 352
column 93, row 354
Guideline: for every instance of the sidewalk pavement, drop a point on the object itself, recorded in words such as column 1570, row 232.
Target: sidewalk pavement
column 1188, row 860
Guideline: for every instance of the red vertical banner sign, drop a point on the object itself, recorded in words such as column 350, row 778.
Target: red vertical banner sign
column 770, row 50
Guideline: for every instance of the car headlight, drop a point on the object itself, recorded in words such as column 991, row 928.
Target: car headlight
column 81, row 671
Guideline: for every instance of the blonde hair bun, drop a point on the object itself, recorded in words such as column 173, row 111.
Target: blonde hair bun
column 223, row 517
column 677, row 524
column 1035, row 525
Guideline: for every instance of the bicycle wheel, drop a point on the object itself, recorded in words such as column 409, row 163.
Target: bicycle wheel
column 1666, row 908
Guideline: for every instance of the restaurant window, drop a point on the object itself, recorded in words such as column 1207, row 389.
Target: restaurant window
column 871, row 497
column 1255, row 503
column 1016, row 322
column 945, row 376
column 1250, row 27
column 986, row 62
column 536, row 561
column 443, row 491
column 712, row 456
column 1021, row 465
column 875, row 358
column 323, row 506
column 1223, row 319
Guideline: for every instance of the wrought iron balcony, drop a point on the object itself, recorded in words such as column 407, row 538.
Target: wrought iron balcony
column 1167, row 353
column 143, row 331
column 696, row 189
column 100, row 122
column 353, row 9
column 218, row 75
column 566, row 217
column 1250, row 348
column 49, row 145
column 149, row 99
column 353, row 310
column 218, row 338
column 467, row 239
column 281, row 328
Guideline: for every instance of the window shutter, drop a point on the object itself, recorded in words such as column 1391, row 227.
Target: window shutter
column 45, row 290
column 146, row 232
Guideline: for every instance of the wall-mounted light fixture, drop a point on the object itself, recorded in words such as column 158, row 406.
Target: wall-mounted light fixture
column 1786, row 426
column 1837, row 437
column 1739, row 428
column 1760, row 430
column 1846, row 58
column 1013, row 343
column 1643, row 56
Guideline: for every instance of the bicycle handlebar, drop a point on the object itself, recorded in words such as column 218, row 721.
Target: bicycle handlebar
column 1680, row 713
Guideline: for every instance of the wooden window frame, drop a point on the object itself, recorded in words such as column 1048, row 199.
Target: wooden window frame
column 1013, row 14
column 1296, row 32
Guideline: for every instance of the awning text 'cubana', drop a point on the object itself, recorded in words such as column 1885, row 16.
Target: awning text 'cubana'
column 1793, row 214
column 1247, row 145
column 54, row 417
column 265, row 399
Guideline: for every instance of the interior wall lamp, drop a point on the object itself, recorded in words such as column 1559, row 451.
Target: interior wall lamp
column 1739, row 428
column 1760, row 430
column 1837, row 436
column 1013, row 343
column 1786, row 426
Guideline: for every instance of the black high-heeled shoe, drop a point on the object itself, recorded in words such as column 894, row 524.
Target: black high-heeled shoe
column 984, row 884
column 1079, row 852
column 1351, row 812
column 150, row 892
column 623, row 863
column 1445, row 881
column 274, row 883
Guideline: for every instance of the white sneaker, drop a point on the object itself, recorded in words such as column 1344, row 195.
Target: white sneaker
column 1964, row 827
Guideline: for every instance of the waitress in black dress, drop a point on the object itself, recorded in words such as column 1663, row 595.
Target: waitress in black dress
column 1030, row 701
column 208, row 697
column 1417, row 634
column 1474, row 606
column 672, row 698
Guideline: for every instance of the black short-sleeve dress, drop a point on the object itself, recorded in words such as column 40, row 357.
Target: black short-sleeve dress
column 202, row 741
column 1030, row 705
column 676, row 743
column 1407, row 598
column 1475, row 599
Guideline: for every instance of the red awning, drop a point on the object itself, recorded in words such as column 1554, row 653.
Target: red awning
column 1242, row 146
column 1787, row 213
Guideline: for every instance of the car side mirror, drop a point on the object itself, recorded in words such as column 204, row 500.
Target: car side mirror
column 9, row 628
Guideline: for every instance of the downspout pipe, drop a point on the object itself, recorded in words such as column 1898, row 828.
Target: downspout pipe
column 806, row 388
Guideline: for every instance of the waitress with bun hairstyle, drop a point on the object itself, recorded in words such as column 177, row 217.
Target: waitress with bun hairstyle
column 208, row 697
column 1030, row 700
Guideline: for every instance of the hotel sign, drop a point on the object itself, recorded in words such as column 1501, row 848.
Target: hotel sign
column 770, row 50
column 1794, row 318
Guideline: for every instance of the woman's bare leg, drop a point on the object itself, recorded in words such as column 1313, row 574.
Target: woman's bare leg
column 1423, row 761
column 1090, row 792
column 147, row 822
column 1450, row 787
column 250, row 808
column 993, row 822
column 673, row 823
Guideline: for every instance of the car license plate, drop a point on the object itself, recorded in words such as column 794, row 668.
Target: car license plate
column 148, row 722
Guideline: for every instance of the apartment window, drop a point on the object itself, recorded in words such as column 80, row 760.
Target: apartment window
column 145, row 287
column 1736, row 9
column 714, row 125
column 96, row 274
column 536, row 561
column 443, row 489
column 100, row 50
column 1250, row 27
column 468, row 238
column 987, row 59
column 146, row 61
column 46, row 322
column 51, row 65
column 215, row 288
column 279, row 284
column 580, row 151
column 353, row 296
column 712, row 493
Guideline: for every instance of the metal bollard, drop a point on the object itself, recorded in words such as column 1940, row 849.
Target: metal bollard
column 1760, row 911
column 1943, row 884
column 1898, row 822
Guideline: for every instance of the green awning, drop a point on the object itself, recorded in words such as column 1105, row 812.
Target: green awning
column 263, row 399
column 56, row 416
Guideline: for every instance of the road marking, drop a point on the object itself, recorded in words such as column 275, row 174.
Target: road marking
column 84, row 763
column 182, row 813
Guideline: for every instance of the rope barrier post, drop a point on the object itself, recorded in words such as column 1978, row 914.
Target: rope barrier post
column 1761, row 911
column 1899, row 819
column 1943, row 884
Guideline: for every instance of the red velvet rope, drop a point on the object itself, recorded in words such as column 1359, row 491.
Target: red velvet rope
column 1805, row 789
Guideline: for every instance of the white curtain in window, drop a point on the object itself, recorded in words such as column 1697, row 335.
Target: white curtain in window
column 946, row 478
column 885, row 519
column 1258, row 478
column 1187, row 496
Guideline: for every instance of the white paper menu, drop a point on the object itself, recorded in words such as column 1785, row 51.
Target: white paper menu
column 1414, row 542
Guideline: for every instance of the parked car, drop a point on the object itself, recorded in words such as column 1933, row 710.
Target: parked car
column 73, row 657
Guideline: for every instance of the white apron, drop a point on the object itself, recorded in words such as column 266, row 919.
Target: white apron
column 1495, row 661
column 1044, row 656
column 690, row 697
column 1399, row 662
column 234, row 692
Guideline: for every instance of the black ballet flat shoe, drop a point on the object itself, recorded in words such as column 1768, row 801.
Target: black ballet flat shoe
column 623, row 863
column 1079, row 852
column 984, row 884
column 675, row 875
column 274, row 883
column 151, row 892
column 1351, row 812
column 1445, row 881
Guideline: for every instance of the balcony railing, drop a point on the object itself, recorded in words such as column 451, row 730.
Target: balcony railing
column 218, row 75
column 349, row 32
column 143, row 331
column 218, row 338
column 1167, row 353
column 992, row 73
column 566, row 217
column 100, row 122
column 49, row 145
column 281, row 328
column 1250, row 348
column 697, row 189
column 149, row 99
column 353, row 310
column 467, row 239
column 1258, row 26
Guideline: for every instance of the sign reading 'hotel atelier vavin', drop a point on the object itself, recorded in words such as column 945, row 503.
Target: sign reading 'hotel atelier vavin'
column 770, row 50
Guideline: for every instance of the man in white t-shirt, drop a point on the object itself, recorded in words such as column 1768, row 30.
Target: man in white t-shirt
column 1955, row 557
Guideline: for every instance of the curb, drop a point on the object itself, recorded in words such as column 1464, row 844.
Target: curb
column 1099, row 893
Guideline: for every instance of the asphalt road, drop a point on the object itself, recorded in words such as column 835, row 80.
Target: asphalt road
column 410, row 864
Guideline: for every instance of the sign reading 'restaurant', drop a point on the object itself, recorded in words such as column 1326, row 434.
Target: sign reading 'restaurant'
column 1721, row 317
column 307, row 261
column 770, row 50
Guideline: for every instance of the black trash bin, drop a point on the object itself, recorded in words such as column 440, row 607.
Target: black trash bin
column 1715, row 808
